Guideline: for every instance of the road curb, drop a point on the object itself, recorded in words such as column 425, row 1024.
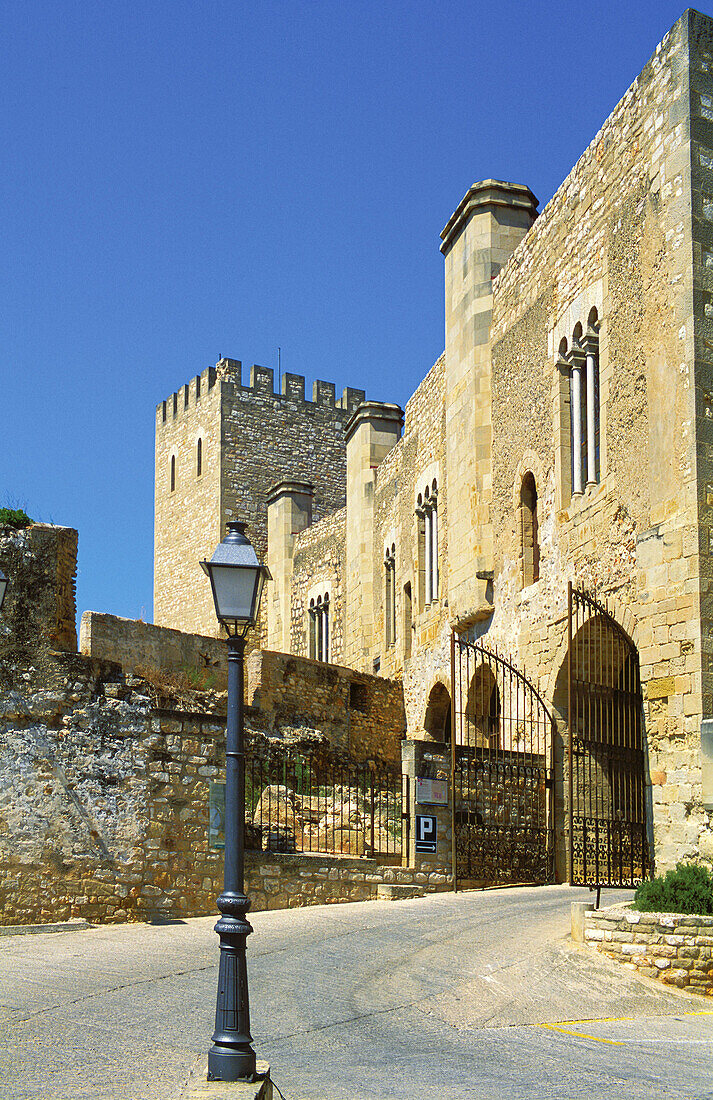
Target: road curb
column 76, row 925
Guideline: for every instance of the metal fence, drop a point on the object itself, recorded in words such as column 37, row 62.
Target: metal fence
column 314, row 802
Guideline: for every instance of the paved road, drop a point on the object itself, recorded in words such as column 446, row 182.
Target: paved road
column 442, row 998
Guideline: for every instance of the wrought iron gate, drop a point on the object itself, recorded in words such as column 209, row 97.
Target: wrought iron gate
column 605, row 759
column 501, row 759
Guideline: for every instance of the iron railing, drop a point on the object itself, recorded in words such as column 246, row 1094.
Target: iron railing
column 314, row 802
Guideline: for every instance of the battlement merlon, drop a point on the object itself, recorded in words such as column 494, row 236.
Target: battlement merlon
column 261, row 381
column 497, row 197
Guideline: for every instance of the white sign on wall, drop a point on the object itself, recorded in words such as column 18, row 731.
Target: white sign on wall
column 432, row 792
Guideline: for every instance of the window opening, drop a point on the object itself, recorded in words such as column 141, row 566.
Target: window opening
column 529, row 536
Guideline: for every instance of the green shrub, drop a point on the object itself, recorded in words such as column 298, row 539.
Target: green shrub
column 14, row 517
column 688, row 889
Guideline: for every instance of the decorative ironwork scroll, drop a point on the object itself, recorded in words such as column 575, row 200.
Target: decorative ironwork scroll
column 608, row 843
column 501, row 755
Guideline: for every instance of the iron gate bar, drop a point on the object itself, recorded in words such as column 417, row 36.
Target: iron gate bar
column 608, row 844
column 502, row 765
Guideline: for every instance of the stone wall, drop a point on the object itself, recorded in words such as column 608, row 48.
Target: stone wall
column 104, row 806
column 188, row 519
column 617, row 237
column 417, row 459
column 361, row 715
column 319, row 567
column 39, row 610
column 141, row 647
column 676, row 950
column 105, row 774
column 282, row 881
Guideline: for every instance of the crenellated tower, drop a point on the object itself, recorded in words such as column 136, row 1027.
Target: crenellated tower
column 221, row 444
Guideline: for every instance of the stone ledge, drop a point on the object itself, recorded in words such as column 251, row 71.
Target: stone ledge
column 76, row 925
column 393, row 891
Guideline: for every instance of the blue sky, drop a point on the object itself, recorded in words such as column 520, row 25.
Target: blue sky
column 189, row 179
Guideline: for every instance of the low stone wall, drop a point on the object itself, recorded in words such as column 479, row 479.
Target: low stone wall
column 677, row 950
column 142, row 647
column 280, row 881
column 362, row 715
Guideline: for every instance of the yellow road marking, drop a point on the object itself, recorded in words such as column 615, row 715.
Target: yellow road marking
column 582, row 1035
column 566, row 1027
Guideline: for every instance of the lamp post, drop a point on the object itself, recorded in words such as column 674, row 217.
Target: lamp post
column 3, row 587
column 237, row 579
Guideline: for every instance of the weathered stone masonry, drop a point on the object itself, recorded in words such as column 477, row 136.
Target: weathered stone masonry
column 104, row 775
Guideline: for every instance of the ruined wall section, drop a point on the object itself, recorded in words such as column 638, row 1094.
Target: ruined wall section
column 617, row 235
column 319, row 566
column 39, row 612
column 361, row 715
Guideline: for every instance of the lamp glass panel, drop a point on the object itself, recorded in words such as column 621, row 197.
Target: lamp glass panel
column 234, row 589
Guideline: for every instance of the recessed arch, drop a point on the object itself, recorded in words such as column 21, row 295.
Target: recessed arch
column 483, row 708
column 529, row 531
column 437, row 719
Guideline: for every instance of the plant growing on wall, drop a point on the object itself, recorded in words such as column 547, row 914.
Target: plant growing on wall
column 688, row 889
column 14, row 517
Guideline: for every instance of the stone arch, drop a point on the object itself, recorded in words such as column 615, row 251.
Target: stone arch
column 483, row 708
column 613, row 672
column 437, row 719
column 619, row 611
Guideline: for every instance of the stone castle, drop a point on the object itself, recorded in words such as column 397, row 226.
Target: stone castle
column 565, row 435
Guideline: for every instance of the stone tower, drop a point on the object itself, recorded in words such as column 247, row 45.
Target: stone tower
column 220, row 445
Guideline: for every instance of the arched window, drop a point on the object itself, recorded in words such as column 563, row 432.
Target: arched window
column 318, row 640
column 199, row 458
column 437, row 720
column 583, row 368
column 173, row 473
column 529, row 537
column 427, row 520
column 312, row 641
column 390, row 594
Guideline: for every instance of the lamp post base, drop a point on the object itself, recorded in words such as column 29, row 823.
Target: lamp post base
column 232, row 1058
column 231, row 1065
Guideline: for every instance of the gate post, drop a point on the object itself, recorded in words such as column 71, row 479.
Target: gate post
column 428, row 760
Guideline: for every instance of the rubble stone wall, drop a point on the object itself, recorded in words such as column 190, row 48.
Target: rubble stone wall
column 39, row 611
column 360, row 714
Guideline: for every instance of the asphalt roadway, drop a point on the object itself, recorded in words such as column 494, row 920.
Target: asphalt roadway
column 475, row 995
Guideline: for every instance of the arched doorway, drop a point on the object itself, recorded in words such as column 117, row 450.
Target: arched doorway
column 599, row 757
column 437, row 722
column 502, row 771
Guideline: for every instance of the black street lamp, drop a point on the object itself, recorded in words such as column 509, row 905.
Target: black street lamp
column 3, row 587
column 237, row 579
